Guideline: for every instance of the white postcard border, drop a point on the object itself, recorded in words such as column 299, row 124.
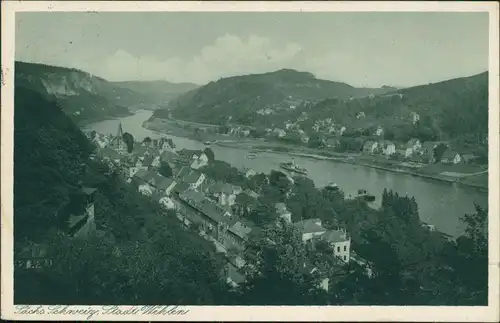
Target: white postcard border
column 248, row 313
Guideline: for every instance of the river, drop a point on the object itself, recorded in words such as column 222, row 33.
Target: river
column 441, row 204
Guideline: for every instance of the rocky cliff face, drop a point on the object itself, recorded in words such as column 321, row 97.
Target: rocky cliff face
column 81, row 96
column 68, row 85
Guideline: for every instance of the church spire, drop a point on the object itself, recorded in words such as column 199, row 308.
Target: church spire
column 120, row 131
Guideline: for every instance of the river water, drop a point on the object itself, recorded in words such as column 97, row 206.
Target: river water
column 440, row 203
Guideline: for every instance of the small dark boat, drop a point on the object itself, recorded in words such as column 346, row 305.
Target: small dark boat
column 332, row 186
column 290, row 166
column 364, row 195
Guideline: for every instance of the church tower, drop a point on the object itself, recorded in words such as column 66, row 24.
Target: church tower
column 118, row 143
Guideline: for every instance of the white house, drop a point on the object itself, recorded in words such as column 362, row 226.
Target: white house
column 379, row 131
column 415, row 117
column 415, row 144
column 225, row 193
column 194, row 179
column 279, row 132
column 145, row 189
column 342, row 130
column 388, row 148
column 167, row 203
column 248, row 172
column 339, row 242
column 412, row 146
column 283, row 212
column 451, row 157
column 200, row 161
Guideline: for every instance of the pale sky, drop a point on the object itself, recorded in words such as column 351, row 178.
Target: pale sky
column 361, row 49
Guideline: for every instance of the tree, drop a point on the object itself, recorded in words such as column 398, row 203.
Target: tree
column 165, row 169
column 315, row 141
column 439, row 151
column 210, row 154
column 275, row 270
column 147, row 140
column 129, row 141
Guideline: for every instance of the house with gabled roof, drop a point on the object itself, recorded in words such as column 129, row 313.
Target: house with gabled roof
column 169, row 156
column 195, row 178
column 339, row 242
column 309, row 228
column 247, row 172
column 369, row 146
column 224, row 193
column 468, row 158
column 387, row 147
column 451, row 157
column 312, row 231
column 164, row 185
column 412, row 146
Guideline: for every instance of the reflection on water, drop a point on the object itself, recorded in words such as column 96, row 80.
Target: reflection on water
column 441, row 204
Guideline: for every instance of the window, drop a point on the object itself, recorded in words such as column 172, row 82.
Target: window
column 345, row 258
column 345, row 248
column 338, row 248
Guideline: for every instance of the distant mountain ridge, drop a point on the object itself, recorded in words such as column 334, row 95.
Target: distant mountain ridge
column 242, row 96
column 157, row 91
column 85, row 97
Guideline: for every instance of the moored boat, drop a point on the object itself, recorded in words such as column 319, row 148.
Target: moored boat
column 362, row 193
column 251, row 156
column 332, row 186
column 290, row 166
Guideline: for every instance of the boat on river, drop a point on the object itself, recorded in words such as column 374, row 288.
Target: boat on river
column 208, row 142
column 290, row 166
column 251, row 156
column 363, row 194
column 332, row 186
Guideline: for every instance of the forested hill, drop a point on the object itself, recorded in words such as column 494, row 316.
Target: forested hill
column 241, row 96
column 458, row 106
column 451, row 109
column 160, row 92
column 50, row 153
column 142, row 255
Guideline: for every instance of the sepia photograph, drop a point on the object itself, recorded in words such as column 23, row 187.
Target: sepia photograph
column 168, row 159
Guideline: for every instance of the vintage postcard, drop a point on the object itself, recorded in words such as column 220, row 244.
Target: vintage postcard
column 250, row 161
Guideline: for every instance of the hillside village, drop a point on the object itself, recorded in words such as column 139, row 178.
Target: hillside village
column 201, row 203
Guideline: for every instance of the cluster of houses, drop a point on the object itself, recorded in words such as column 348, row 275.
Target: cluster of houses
column 205, row 204
column 200, row 203
column 415, row 151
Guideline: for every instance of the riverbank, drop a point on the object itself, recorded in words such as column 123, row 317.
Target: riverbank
column 90, row 121
column 356, row 159
column 376, row 162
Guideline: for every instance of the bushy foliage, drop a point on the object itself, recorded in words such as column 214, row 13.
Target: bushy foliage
column 144, row 254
